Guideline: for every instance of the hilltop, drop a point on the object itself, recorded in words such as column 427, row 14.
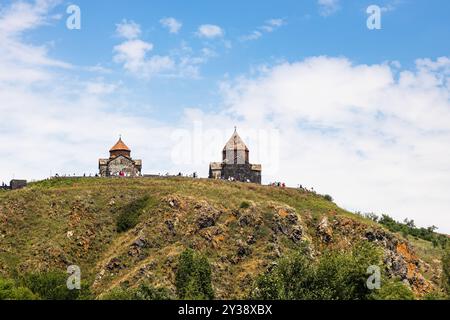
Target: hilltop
column 242, row 229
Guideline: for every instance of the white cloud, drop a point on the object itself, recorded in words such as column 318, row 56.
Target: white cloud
column 21, row 16
column 128, row 30
column 100, row 87
column 20, row 61
column 133, row 53
column 210, row 31
column 328, row 7
column 269, row 26
column 374, row 138
column 254, row 35
column 172, row 24
column 273, row 24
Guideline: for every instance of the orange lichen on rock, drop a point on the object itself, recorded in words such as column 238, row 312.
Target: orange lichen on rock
column 419, row 284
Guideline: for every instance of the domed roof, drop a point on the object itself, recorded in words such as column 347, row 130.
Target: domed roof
column 235, row 143
column 120, row 146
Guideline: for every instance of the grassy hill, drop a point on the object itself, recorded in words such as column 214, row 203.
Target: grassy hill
column 124, row 232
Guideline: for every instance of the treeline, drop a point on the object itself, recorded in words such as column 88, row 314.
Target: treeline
column 409, row 228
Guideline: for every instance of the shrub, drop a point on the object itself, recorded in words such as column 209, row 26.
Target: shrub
column 53, row 286
column 245, row 205
column 435, row 295
column 120, row 294
column 328, row 198
column 143, row 292
column 129, row 215
column 392, row 290
column 193, row 277
column 408, row 228
column 10, row 291
column 148, row 292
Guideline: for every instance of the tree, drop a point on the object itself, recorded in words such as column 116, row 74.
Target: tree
column 193, row 277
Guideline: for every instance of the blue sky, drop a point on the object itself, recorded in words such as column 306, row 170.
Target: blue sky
column 411, row 29
column 321, row 100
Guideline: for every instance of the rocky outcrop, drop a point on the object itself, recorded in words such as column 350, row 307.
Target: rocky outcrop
column 287, row 222
column 399, row 257
column 324, row 230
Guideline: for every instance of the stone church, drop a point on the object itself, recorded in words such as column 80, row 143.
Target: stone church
column 236, row 163
column 120, row 162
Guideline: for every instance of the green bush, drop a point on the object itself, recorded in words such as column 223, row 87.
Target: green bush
column 143, row 292
column 147, row 292
column 10, row 291
column 328, row 198
column 120, row 294
column 435, row 295
column 408, row 228
column 245, row 205
column 392, row 290
column 193, row 277
column 129, row 215
column 52, row 285
column 334, row 276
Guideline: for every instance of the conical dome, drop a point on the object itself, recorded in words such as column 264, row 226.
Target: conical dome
column 120, row 146
column 235, row 151
column 120, row 149
column 235, row 143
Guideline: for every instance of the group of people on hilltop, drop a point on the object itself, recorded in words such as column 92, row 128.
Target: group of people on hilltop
column 278, row 184
column 233, row 179
column 74, row 175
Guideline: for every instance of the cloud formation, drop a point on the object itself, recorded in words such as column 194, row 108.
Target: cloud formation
column 172, row 24
column 134, row 54
column 269, row 26
column 128, row 30
column 210, row 31
column 328, row 7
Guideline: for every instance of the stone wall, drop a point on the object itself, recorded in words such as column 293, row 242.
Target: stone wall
column 18, row 184
column 241, row 172
column 120, row 164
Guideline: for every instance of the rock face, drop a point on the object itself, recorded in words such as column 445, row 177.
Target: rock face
column 207, row 215
column 399, row 257
column 287, row 222
column 324, row 230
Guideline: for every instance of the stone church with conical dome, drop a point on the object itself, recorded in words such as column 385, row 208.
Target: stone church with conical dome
column 236, row 163
column 120, row 162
